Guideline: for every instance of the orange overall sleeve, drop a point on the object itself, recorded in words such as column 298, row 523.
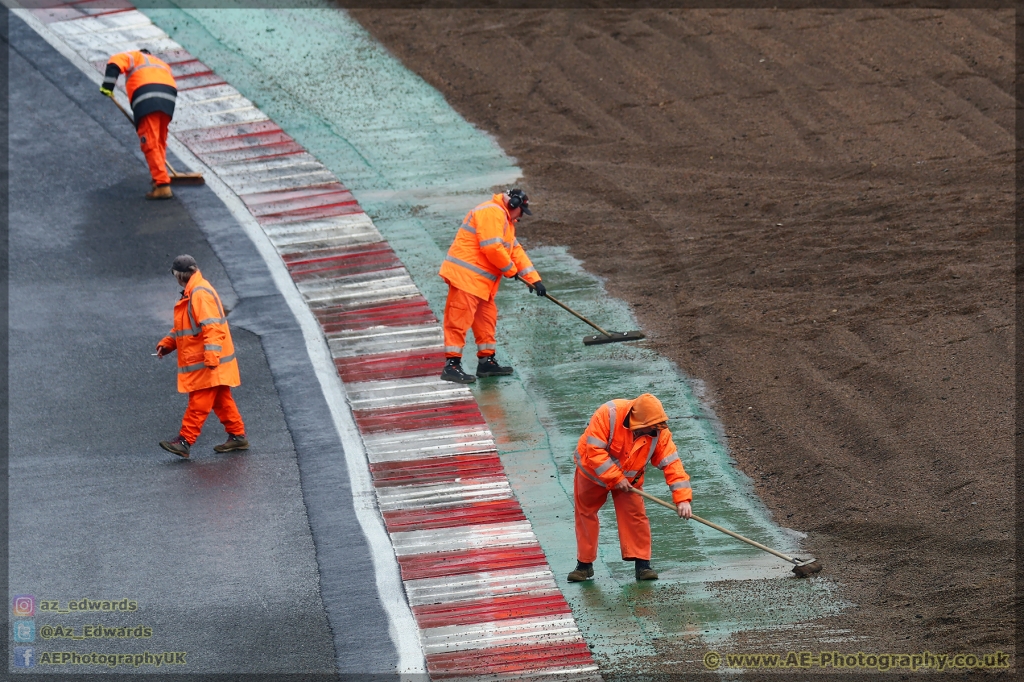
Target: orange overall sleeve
column 525, row 267
column 207, row 312
column 666, row 458
column 490, row 232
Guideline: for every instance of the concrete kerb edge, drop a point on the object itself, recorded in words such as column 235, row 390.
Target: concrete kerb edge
column 403, row 629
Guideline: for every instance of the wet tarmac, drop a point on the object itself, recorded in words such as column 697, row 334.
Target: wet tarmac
column 247, row 562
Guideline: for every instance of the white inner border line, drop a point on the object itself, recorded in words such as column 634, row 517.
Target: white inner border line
column 401, row 624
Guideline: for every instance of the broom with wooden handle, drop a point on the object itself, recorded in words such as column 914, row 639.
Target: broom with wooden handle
column 605, row 337
column 800, row 567
column 176, row 177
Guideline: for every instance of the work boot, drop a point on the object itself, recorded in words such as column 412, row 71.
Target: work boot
column 453, row 372
column 487, row 366
column 160, row 192
column 644, row 570
column 583, row 572
column 232, row 443
column 178, row 445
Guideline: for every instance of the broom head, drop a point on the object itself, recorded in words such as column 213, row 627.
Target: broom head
column 187, row 179
column 806, row 568
column 612, row 337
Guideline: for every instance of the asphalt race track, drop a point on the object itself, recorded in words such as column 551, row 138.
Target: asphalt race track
column 227, row 556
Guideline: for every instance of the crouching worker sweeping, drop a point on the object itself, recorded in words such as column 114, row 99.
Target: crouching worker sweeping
column 153, row 93
column 622, row 438
column 207, row 368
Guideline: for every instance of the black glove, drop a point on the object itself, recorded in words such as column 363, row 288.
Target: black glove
column 538, row 288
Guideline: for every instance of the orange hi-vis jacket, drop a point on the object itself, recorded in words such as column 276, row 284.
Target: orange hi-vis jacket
column 607, row 452
column 485, row 249
column 148, row 81
column 202, row 338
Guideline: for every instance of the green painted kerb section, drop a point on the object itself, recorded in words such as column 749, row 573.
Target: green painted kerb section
column 416, row 167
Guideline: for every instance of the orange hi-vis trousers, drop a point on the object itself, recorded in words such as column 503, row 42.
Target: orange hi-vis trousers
column 218, row 399
column 463, row 311
column 634, row 528
column 152, row 130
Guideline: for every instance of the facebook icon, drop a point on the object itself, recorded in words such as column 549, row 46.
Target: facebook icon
column 24, row 656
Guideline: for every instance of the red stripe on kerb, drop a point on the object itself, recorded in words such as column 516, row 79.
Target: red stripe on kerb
column 407, row 312
column 437, row 416
column 355, row 261
column 509, row 659
column 176, row 58
column 190, row 73
column 397, row 365
column 439, row 564
column 234, row 137
column 435, row 470
column 78, row 10
column 307, row 203
column 199, row 81
column 495, row 608
column 497, row 511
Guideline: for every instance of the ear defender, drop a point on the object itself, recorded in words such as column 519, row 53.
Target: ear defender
column 517, row 199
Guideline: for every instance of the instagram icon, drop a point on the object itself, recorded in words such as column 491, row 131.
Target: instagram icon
column 24, row 605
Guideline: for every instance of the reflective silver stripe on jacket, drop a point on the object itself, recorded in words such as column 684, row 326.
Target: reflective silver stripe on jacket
column 211, row 320
column 161, row 95
column 596, row 442
column 468, row 228
column 110, row 81
column 145, row 64
column 508, row 267
column 611, row 420
column 528, row 270
column 674, row 457
column 199, row 365
column 582, row 470
column 488, row 242
column 185, row 332
column 604, row 467
column 654, row 445
column 212, row 346
column 471, row 267
column 679, row 486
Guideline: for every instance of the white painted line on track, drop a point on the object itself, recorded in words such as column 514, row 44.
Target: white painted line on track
column 403, row 630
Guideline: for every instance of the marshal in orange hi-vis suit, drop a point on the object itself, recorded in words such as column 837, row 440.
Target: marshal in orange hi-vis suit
column 623, row 436
column 484, row 250
column 153, row 93
column 207, row 368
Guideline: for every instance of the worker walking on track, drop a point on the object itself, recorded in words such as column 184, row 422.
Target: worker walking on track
column 152, row 92
column 484, row 250
column 622, row 438
column 207, row 368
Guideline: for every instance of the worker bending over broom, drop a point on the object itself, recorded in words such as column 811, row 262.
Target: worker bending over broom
column 622, row 437
column 152, row 92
